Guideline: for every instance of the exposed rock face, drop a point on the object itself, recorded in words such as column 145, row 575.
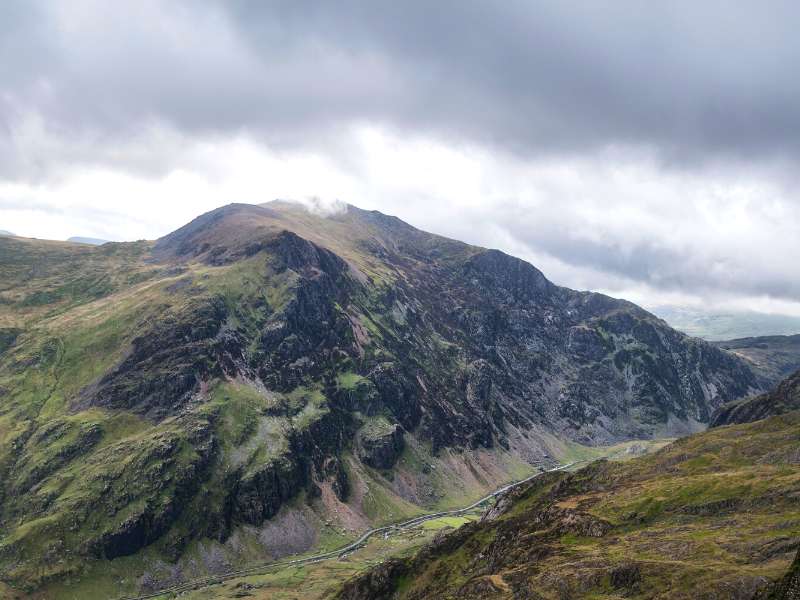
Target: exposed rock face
column 381, row 450
column 786, row 589
column 588, row 366
column 785, row 398
column 168, row 363
column 379, row 582
column 266, row 342
column 260, row 494
column 8, row 335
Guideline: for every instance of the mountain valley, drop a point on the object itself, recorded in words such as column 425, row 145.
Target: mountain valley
column 267, row 381
column 712, row 515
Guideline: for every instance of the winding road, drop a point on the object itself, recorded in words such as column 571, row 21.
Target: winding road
column 344, row 550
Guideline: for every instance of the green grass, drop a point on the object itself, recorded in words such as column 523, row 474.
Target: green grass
column 348, row 380
column 692, row 516
column 446, row 522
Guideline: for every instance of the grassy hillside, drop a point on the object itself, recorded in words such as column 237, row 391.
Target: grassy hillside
column 265, row 381
column 714, row 515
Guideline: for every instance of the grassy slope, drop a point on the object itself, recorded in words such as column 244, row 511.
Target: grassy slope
column 70, row 312
column 319, row 581
column 712, row 515
column 315, row 581
column 73, row 311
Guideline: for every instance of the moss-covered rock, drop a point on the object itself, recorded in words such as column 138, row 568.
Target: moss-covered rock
column 154, row 394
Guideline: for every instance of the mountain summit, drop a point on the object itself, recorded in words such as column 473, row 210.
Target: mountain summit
column 266, row 369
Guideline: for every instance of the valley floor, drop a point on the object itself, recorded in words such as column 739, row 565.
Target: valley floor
column 318, row 580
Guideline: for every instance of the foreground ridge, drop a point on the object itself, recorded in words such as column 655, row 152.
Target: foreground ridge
column 711, row 515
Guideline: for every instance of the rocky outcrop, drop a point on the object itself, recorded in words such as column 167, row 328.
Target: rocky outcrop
column 169, row 361
column 787, row 588
column 381, row 449
column 8, row 335
column 259, row 494
column 379, row 582
column 783, row 399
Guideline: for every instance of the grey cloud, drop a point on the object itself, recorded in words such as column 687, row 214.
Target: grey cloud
column 683, row 262
column 696, row 84
column 692, row 81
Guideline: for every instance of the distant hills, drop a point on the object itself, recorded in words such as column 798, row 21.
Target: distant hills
column 75, row 239
column 774, row 356
column 88, row 240
column 727, row 326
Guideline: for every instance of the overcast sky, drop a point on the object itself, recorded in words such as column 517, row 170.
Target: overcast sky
column 649, row 150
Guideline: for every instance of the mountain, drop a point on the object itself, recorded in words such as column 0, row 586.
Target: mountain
column 88, row 240
column 266, row 380
column 4, row 233
column 727, row 325
column 783, row 399
column 713, row 515
column 774, row 357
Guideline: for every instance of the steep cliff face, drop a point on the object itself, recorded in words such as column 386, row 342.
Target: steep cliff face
column 783, row 399
column 155, row 394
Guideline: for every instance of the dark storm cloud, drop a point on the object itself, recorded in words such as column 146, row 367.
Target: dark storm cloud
column 686, row 77
column 670, row 268
column 690, row 80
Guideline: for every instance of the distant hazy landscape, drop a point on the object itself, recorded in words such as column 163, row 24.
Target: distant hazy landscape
column 727, row 326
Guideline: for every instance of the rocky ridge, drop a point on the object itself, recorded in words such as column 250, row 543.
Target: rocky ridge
column 785, row 398
column 156, row 394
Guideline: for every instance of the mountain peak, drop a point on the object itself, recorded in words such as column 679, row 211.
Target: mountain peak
column 295, row 354
column 220, row 234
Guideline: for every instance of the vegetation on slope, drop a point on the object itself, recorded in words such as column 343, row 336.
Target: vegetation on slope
column 714, row 515
column 163, row 405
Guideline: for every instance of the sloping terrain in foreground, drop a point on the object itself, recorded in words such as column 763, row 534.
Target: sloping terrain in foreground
column 265, row 381
column 714, row 515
